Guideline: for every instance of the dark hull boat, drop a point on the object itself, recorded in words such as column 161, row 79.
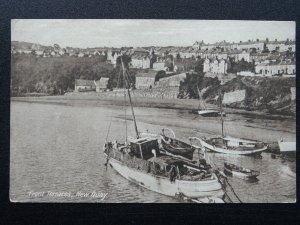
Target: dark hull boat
column 240, row 172
column 176, row 147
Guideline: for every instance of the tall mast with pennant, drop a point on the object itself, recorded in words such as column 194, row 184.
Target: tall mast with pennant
column 129, row 95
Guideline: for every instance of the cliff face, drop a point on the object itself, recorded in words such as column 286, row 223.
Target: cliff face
column 273, row 95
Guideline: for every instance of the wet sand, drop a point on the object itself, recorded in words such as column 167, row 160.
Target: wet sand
column 97, row 99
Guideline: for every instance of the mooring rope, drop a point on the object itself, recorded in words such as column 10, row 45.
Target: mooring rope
column 233, row 191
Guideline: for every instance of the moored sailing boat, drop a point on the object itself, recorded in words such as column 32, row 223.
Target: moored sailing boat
column 142, row 161
column 230, row 145
column 204, row 111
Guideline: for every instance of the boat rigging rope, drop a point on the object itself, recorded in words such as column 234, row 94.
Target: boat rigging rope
column 125, row 117
column 227, row 182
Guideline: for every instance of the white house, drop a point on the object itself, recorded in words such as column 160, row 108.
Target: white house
column 215, row 65
column 140, row 62
column 276, row 68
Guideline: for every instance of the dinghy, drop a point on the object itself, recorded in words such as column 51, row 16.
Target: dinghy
column 240, row 172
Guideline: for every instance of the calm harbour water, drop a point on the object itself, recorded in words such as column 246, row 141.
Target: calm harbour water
column 57, row 149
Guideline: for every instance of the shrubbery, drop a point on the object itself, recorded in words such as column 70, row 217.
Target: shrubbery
column 55, row 75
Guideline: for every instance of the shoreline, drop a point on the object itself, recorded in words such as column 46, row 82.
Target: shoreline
column 100, row 100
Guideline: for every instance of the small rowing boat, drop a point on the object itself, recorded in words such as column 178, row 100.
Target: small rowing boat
column 240, row 172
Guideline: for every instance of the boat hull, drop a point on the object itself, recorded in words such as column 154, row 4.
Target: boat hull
column 210, row 113
column 191, row 189
column 210, row 147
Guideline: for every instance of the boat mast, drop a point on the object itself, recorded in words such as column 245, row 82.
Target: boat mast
column 201, row 102
column 128, row 91
column 221, row 112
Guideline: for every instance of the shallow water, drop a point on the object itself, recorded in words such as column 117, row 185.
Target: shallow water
column 58, row 149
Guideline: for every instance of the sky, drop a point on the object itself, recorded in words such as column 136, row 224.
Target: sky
column 138, row 33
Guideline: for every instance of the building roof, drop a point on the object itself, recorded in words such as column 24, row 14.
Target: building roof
column 139, row 56
column 151, row 74
column 138, row 49
column 259, row 54
column 277, row 63
column 80, row 82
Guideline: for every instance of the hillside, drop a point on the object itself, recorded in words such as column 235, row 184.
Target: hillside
column 271, row 95
column 54, row 75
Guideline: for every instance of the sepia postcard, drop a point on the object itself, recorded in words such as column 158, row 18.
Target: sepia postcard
column 153, row 111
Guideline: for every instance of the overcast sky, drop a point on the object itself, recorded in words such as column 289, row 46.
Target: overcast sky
column 118, row 33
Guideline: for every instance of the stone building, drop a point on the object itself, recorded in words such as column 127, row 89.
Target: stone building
column 140, row 62
column 172, row 81
column 101, row 85
column 145, row 80
column 84, row 85
column 258, row 57
column 159, row 66
column 281, row 46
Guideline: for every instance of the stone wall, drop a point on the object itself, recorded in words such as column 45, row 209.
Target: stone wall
column 233, row 97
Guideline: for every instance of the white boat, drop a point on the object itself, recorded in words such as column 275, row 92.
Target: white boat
column 231, row 145
column 287, row 146
column 210, row 113
column 144, row 162
column 209, row 188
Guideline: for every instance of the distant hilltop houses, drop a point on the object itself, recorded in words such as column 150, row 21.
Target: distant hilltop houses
column 53, row 51
column 220, row 59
